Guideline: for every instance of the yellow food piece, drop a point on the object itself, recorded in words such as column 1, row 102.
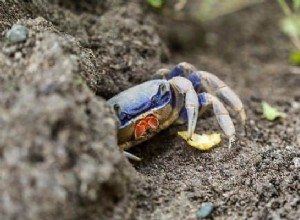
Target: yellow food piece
column 201, row 142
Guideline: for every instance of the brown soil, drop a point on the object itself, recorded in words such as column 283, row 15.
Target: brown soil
column 257, row 178
column 58, row 152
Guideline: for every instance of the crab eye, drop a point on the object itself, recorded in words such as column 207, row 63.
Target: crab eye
column 162, row 90
column 121, row 115
column 117, row 109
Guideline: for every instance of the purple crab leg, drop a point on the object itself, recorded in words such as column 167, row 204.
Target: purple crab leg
column 191, row 106
column 204, row 81
column 211, row 84
column 220, row 112
column 185, row 87
column 182, row 69
column 205, row 100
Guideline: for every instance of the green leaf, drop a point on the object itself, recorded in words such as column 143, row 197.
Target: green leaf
column 294, row 57
column 296, row 4
column 155, row 3
column 291, row 25
column 271, row 113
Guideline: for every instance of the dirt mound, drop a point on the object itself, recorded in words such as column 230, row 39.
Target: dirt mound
column 59, row 153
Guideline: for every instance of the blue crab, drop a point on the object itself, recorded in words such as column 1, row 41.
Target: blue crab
column 175, row 95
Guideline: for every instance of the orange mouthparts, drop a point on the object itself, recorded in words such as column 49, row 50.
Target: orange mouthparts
column 145, row 124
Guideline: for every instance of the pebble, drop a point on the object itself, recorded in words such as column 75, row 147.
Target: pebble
column 254, row 98
column 296, row 161
column 296, row 105
column 205, row 210
column 17, row 34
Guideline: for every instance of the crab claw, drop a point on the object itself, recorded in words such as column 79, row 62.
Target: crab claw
column 150, row 122
column 184, row 86
column 192, row 106
column 140, row 129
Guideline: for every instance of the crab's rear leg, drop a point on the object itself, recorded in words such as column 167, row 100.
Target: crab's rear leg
column 208, row 82
column 221, row 113
column 131, row 156
column 182, row 69
column 212, row 84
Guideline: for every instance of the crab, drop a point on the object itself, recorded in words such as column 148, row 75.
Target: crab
column 173, row 96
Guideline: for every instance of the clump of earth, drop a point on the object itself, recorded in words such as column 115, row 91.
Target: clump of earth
column 58, row 145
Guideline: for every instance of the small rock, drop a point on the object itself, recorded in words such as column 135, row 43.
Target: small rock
column 205, row 210
column 18, row 55
column 17, row 34
column 296, row 161
column 296, row 105
column 254, row 98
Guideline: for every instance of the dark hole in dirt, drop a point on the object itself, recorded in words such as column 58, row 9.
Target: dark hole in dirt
column 35, row 154
column 56, row 128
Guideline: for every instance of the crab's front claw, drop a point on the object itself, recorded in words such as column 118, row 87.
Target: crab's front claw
column 185, row 87
column 192, row 108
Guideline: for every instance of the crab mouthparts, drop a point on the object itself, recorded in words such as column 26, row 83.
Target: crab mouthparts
column 145, row 124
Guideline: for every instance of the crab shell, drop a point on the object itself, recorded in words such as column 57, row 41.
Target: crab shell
column 143, row 111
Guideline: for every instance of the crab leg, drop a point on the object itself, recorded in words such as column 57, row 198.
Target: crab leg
column 182, row 69
column 184, row 86
column 220, row 112
column 210, row 83
column 213, row 84
column 191, row 106
column 131, row 156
